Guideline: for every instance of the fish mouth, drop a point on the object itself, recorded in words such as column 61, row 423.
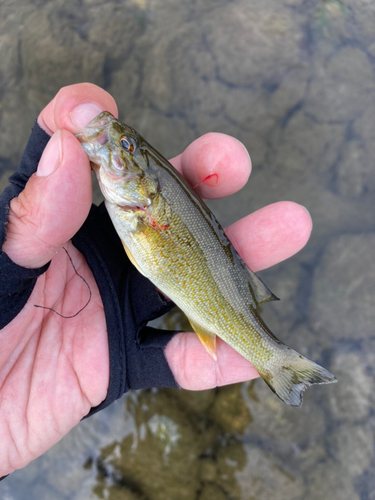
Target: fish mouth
column 96, row 132
column 104, row 161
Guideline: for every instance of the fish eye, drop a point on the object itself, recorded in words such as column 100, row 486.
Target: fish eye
column 127, row 144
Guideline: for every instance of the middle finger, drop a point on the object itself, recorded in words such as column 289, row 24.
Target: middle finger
column 215, row 165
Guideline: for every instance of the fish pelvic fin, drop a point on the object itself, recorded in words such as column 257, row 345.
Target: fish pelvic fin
column 207, row 338
column 294, row 374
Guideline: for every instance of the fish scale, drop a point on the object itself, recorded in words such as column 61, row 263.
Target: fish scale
column 174, row 240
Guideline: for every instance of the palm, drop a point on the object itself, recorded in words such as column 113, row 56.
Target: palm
column 53, row 370
column 58, row 366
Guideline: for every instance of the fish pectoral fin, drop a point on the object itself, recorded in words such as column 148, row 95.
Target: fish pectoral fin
column 207, row 338
column 131, row 258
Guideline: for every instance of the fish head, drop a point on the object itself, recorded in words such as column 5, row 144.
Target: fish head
column 118, row 163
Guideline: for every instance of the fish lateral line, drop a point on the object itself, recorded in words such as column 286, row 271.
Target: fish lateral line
column 83, row 279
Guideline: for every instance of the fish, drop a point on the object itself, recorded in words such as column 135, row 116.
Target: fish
column 172, row 238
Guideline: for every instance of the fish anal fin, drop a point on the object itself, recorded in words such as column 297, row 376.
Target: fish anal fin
column 207, row 338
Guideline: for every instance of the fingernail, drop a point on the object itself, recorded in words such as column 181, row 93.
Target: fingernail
column 51, row 157
column 84, row 113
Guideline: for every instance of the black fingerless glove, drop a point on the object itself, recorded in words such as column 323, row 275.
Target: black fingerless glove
column 136, row 351
column 17, row 283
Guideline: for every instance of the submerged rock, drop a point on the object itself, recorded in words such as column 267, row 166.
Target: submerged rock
column 353, row 445
column 343, row 292
column 352, row 397
column 231, row 458
column 161, row 459
column 342, row 87
column 267, row 41
column 350, row 181
column 328, row 480
column 212, row 492
column 230, row 410
column 256, row 481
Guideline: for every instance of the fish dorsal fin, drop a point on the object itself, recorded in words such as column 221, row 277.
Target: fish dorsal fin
column 261, row 293
column 207, row 338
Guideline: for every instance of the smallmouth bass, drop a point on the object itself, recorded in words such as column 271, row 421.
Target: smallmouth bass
column 173, row 239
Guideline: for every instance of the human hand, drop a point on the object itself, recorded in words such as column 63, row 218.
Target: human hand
column 53, row 370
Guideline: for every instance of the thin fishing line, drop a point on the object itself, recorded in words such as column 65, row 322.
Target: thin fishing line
column 83, row 279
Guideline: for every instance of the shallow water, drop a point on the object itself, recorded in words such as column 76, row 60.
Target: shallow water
column 294, row 81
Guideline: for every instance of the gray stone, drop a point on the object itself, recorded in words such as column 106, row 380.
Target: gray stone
column 265, row 106
column 274, row 420
column 371, row 49
column 292, row 3
column 342, row 87
column 364, row 12
column 330, row 22
column 364, row 130
column 343, row 293
column 57, row 43
column 353, row 446
column 305, row 144
column 16, row 130
column 352, row 397
column 180, row 54
column 115, row 29
column 328, row 480
column 266, row 42
column 10, row 64
column 256, row 481
column 354, row 172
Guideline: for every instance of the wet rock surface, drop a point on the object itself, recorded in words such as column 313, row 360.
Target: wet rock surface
column 294, row 81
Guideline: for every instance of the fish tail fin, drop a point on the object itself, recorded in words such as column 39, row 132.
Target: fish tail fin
column 293, row 375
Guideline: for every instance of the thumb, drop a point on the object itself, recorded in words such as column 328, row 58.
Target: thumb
column 53, row 206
